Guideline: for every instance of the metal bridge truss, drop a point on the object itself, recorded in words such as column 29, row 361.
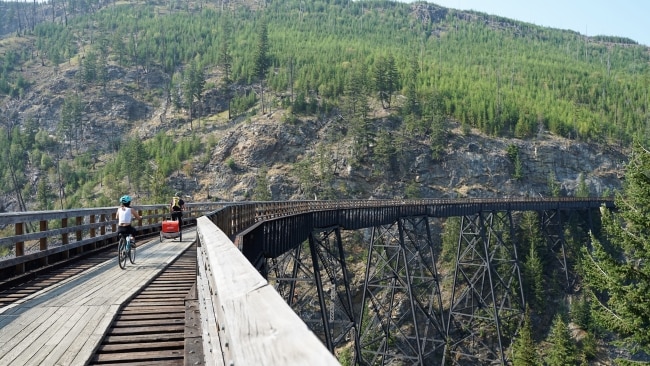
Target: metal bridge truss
column 402, row 320
column 553, row 224
column 314, row 280
column 402, row 316
column 487, row 298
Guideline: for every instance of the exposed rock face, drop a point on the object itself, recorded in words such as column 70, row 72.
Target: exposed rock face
column 479, row 167
column 428, row 13
column 473, row 165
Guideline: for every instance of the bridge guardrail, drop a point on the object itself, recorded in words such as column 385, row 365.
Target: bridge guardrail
column 43, row 235
column 244, row 320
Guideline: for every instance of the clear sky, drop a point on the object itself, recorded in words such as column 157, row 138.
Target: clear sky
column 623, row 18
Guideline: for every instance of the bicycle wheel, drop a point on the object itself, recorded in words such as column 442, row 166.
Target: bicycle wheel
column 132, row 253
column 121, row 252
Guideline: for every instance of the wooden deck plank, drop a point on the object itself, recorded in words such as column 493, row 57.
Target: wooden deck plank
column 139, row 346
column 142, row 338
column 96, row 333
column 65, row 342
column 53, row 335
column 82, row 337
column 20, row 333
column 141, row 356
column 64, row 323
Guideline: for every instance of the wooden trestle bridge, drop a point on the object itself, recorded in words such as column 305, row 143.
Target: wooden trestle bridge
column 274, row 283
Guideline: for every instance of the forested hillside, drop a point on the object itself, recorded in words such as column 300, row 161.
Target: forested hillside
column 418, row 64
column 252, row 100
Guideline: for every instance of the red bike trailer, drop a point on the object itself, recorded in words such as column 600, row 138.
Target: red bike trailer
column 170, row 230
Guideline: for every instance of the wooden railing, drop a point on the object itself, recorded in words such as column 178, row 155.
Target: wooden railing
column 244, row 320
column 42, row 237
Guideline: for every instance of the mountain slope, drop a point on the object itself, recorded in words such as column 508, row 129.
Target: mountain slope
column 491, row 84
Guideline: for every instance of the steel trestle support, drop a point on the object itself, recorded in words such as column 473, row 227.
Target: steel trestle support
column 400, row 314
column 487, row 301
column 402, row 317
column 317, row 271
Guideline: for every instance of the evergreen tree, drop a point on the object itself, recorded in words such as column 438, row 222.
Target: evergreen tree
column 261, row 191
column 89, row 67
column 562, row 351
column 534, row 279
column 438, row 135
column 261, row 58
column 384, row 153
column 554, row 186
column 583, row 188
column 412, row 105
column 616, row 270
column 225, row 58
column 44, row 195
column 386, row 79
column 450, row 235
column 193, row 85
column 524, row 351
column 70, row 126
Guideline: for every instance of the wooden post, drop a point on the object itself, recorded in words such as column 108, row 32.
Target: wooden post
column 64, row 238
column 79, row 233
column 43, row 242
column 114, row 226
column 140, row 221
column 102, row 229
column 92, row 229
column 43, row 227
column 20, row 248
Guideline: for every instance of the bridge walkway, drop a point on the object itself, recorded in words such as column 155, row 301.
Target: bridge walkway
column 64, row 323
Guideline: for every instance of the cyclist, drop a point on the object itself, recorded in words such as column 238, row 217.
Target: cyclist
column 176, row 207
column 125, row 215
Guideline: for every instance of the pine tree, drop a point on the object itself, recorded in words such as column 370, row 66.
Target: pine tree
column 563, row 350
column 225, row 58
column 193, row 85
column 438, row 135
column 534, row 279
column 534, row 284
column 261, row 59
column 384, row 152
column 386, row 79
column 616, row 270
column 261, row 191
column 524, row 351
column 554, row 185
column 412, row 105
column 582, row 190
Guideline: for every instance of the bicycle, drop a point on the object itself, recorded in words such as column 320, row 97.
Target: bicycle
column 124, row 249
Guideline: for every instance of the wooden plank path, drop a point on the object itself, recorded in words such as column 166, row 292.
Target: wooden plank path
column 64, row 323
